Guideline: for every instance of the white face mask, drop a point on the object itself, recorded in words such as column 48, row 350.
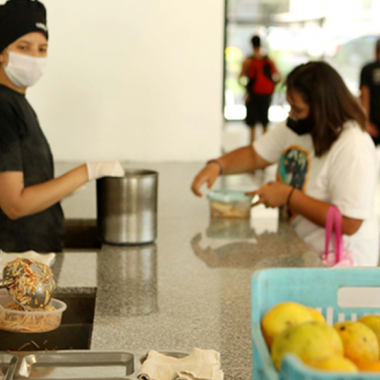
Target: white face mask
column 24, row 70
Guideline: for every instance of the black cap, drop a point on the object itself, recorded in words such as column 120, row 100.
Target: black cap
column 20, row 17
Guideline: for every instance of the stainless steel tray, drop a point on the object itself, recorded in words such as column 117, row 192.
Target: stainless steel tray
column 8, row 365
column 75, row 365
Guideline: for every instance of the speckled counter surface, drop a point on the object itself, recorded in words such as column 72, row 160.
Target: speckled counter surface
column 192, row 287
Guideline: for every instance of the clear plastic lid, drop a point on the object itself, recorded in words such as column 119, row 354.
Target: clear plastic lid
column 225, row 195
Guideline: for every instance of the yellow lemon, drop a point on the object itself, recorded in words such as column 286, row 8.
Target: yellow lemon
column 359, row 341
column 370, row 366
column 310, row 341
column 373, row 322
column 334, row 363
column 282, row 316
column 317, row 315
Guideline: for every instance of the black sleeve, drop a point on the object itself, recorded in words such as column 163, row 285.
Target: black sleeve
column 365, row 77
column 10, row 152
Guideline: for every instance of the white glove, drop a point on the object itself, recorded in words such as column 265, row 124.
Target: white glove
column 99, row 169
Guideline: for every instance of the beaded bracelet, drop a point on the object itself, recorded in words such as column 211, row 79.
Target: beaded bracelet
column 289, row 196
column 219, row 163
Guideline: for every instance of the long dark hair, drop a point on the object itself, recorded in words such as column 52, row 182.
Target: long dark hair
column 331, row 103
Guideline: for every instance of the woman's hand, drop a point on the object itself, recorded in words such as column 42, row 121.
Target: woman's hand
column 241, row 160
column 208, row 174
column 273, row 194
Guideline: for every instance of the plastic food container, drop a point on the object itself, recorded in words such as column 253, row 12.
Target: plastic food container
column 30, row 321
column 230, row 229
column 229, row 204
column 322, row 289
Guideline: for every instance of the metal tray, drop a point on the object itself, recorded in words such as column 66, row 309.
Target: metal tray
column 75, row 365
column 8, row 365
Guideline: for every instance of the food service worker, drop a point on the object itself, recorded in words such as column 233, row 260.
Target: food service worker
column 31, row 216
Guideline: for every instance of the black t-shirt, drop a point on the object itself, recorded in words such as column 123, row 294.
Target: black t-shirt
column 24, row 148
column 370, row 77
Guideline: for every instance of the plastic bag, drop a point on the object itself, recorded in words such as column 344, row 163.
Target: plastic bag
column 339, row 257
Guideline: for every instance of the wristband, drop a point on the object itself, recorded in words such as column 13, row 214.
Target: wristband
column 219, row 163
column 289, row 196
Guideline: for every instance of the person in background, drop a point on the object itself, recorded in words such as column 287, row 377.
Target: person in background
column 31, row 216
column 370, row 94
column 262, row 76
column 325, row 157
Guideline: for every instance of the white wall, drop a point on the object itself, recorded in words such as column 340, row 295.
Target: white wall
column 133, row 80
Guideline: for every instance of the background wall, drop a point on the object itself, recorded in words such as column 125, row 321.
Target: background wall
column 133, row 80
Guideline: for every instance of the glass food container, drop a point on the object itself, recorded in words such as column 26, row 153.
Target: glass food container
column 229, row 204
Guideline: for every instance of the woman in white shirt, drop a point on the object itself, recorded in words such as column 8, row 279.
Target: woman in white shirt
column 325, row 157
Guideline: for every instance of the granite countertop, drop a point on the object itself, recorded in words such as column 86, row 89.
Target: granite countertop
column 192, row 287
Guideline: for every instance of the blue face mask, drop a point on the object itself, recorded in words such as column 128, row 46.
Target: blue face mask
column 300, row 126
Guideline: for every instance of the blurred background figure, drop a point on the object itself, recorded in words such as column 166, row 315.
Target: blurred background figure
column 261, row 76
column 370, row 94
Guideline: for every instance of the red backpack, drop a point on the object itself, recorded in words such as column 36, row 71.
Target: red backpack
column 260, row 77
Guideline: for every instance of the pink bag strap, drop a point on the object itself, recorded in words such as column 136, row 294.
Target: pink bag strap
column 328, row 230
column 334, row 218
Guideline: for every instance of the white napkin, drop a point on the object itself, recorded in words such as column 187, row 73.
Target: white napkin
column 199, row 365
column 47, row 258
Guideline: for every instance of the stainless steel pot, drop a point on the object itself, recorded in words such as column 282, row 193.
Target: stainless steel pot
column 127, row 207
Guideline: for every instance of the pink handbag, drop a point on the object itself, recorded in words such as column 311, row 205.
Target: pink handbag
column 339, row 257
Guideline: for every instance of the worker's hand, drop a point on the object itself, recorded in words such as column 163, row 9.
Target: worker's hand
column 208, row 174
column 372, row 129
column 99, row 169
column 273, row 194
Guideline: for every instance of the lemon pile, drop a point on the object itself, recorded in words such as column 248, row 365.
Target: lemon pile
column 292, row 328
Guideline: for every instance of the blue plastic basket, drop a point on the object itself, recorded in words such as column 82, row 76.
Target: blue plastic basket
column 316, row 288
